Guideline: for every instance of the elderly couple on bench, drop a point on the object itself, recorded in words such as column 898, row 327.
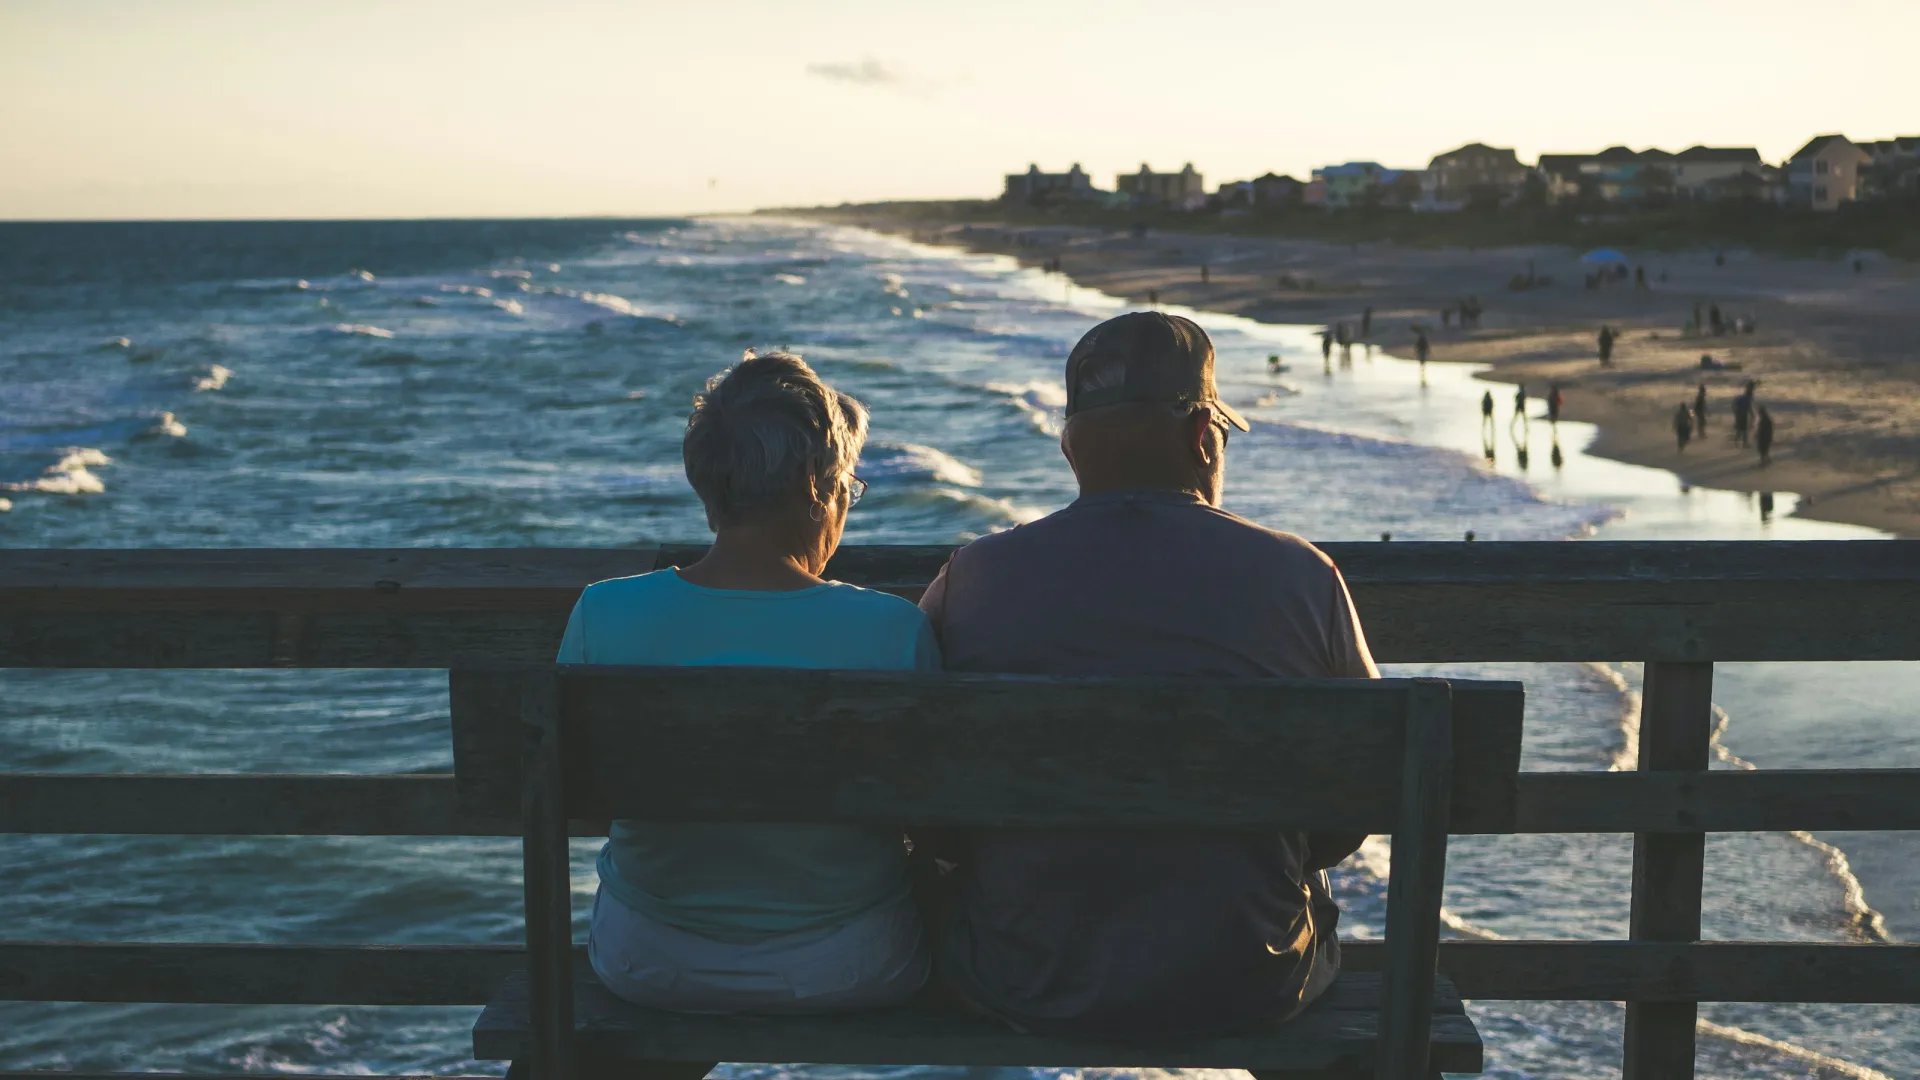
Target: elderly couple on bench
column 1071, row 933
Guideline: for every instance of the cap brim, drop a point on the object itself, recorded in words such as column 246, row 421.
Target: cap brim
column 1233, row 417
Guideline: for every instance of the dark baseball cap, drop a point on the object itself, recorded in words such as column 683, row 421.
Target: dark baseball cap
column 1144, row 356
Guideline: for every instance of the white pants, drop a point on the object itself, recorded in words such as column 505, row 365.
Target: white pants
column 878, row 959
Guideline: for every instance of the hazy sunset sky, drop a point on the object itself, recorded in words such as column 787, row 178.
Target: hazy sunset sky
column 358, row 108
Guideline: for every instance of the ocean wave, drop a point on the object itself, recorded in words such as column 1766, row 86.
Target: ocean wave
column 518, row 275
column 71, row 475
column 1044, row 403
column 511, row 307
column 790, row 279
column 116, row 343
column 215, row 378
column 167, row 425
column 912, row 461
column 467, row 290
column 360, row 329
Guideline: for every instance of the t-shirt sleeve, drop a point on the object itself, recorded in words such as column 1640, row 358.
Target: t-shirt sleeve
column 1349, row 656
column 573, row 643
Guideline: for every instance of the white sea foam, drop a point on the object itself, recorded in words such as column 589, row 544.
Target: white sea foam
column 519, row 274
column 911, row 460
column 894, row 285
column 363, row 275
column 1043, row 402
column 361, row 329
column 790, row 279
column 215, row 378
column 511, row 307
column 117, row 343
column 467, row 290
column 5, row 505
column 303, row 284
column 169, row 426
column 70, row 475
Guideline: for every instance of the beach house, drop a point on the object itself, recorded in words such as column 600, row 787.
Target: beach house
column 1036, row 187
column 1825, row 173
column 1709, row 173
column 1365, row 183
column 1474, row 171
column 1183, row 190
column 1270, row 190
column 1894, row 171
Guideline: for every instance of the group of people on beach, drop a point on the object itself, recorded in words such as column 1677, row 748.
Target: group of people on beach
column 1143, row 934
column 1519, row 425
column 1752, row 423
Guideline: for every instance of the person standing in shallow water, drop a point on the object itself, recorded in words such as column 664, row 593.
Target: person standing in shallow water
column 1763, row 436
column 1682, row 425
column 1422, row 349
column 1606, row 344
column 1486, row 417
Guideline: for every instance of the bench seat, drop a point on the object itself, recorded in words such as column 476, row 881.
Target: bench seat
column 1335, row 1037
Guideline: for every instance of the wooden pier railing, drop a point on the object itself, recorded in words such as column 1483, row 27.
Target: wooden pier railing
column 1680, row 607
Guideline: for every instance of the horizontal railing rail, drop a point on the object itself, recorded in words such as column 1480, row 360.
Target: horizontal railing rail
column 425, row 804
column 240, row 974
column 1420, row 602
column 1680, row 607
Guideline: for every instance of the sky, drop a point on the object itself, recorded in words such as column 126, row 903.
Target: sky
column 428, row 108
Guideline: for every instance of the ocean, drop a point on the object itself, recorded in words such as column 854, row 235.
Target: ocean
column 526, row 384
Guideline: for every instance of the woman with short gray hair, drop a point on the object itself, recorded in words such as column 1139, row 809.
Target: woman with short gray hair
column 718, row 918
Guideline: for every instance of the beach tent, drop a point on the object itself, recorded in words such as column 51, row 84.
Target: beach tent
column 1605, row 256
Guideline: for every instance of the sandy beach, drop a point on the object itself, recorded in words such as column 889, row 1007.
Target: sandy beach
column 1836, row 351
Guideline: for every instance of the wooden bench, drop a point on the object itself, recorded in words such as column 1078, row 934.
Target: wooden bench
column 572, row 745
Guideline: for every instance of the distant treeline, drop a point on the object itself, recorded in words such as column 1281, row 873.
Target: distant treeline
column 1890, row 227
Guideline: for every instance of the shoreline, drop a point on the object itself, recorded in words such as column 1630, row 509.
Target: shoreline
column 1831, row 348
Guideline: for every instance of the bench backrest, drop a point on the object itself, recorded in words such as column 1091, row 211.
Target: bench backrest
column 759, row 744
column 763, row 744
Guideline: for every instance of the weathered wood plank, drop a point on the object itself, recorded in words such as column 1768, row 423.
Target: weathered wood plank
column 1676, row 733
column 545, row 875
column 1417, row 882
column 469, row 974
column 1337, row 1033
column 1421, row 602
column 425, row 804
column 743, row 744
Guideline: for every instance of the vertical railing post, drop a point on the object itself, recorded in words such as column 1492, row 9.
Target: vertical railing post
column 548, row 872
column 1676, row 732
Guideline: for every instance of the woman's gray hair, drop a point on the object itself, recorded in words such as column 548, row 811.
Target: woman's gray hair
column 759, row 427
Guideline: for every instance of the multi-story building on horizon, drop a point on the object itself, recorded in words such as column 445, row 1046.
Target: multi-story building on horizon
column 1034, row 186
column 1183, row 190
column 1825, row 173
column 1476, row 170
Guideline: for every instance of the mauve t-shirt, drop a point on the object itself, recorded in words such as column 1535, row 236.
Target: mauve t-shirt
column 1129, row 933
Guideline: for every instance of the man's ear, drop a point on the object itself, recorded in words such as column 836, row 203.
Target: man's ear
column 1199, row 425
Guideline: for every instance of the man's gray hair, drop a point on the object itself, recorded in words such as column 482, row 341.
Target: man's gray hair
column 759, row 427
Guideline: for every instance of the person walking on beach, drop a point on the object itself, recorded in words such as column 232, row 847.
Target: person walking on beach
column 1700, row 411
column 1422, row 349
column 1763, row 436
column 1606, row 344
column 1682, row 425
column 1366, row 324
column 1326, row 349
column 1161, row 933
column 1713, row 319
column 1486, row 417
column 1519, row 404
column 1153, row 298
column 1554, row 400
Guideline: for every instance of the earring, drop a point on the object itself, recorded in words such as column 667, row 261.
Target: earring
column 817, row 512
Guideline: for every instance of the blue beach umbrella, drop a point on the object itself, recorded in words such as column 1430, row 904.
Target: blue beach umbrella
column 1606, row 256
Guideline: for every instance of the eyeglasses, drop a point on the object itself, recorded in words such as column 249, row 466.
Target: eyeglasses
column 856, row 487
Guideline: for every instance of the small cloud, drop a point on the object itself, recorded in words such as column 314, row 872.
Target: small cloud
column 867, row 72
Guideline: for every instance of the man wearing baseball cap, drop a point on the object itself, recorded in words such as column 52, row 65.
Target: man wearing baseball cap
column 1144, row 934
